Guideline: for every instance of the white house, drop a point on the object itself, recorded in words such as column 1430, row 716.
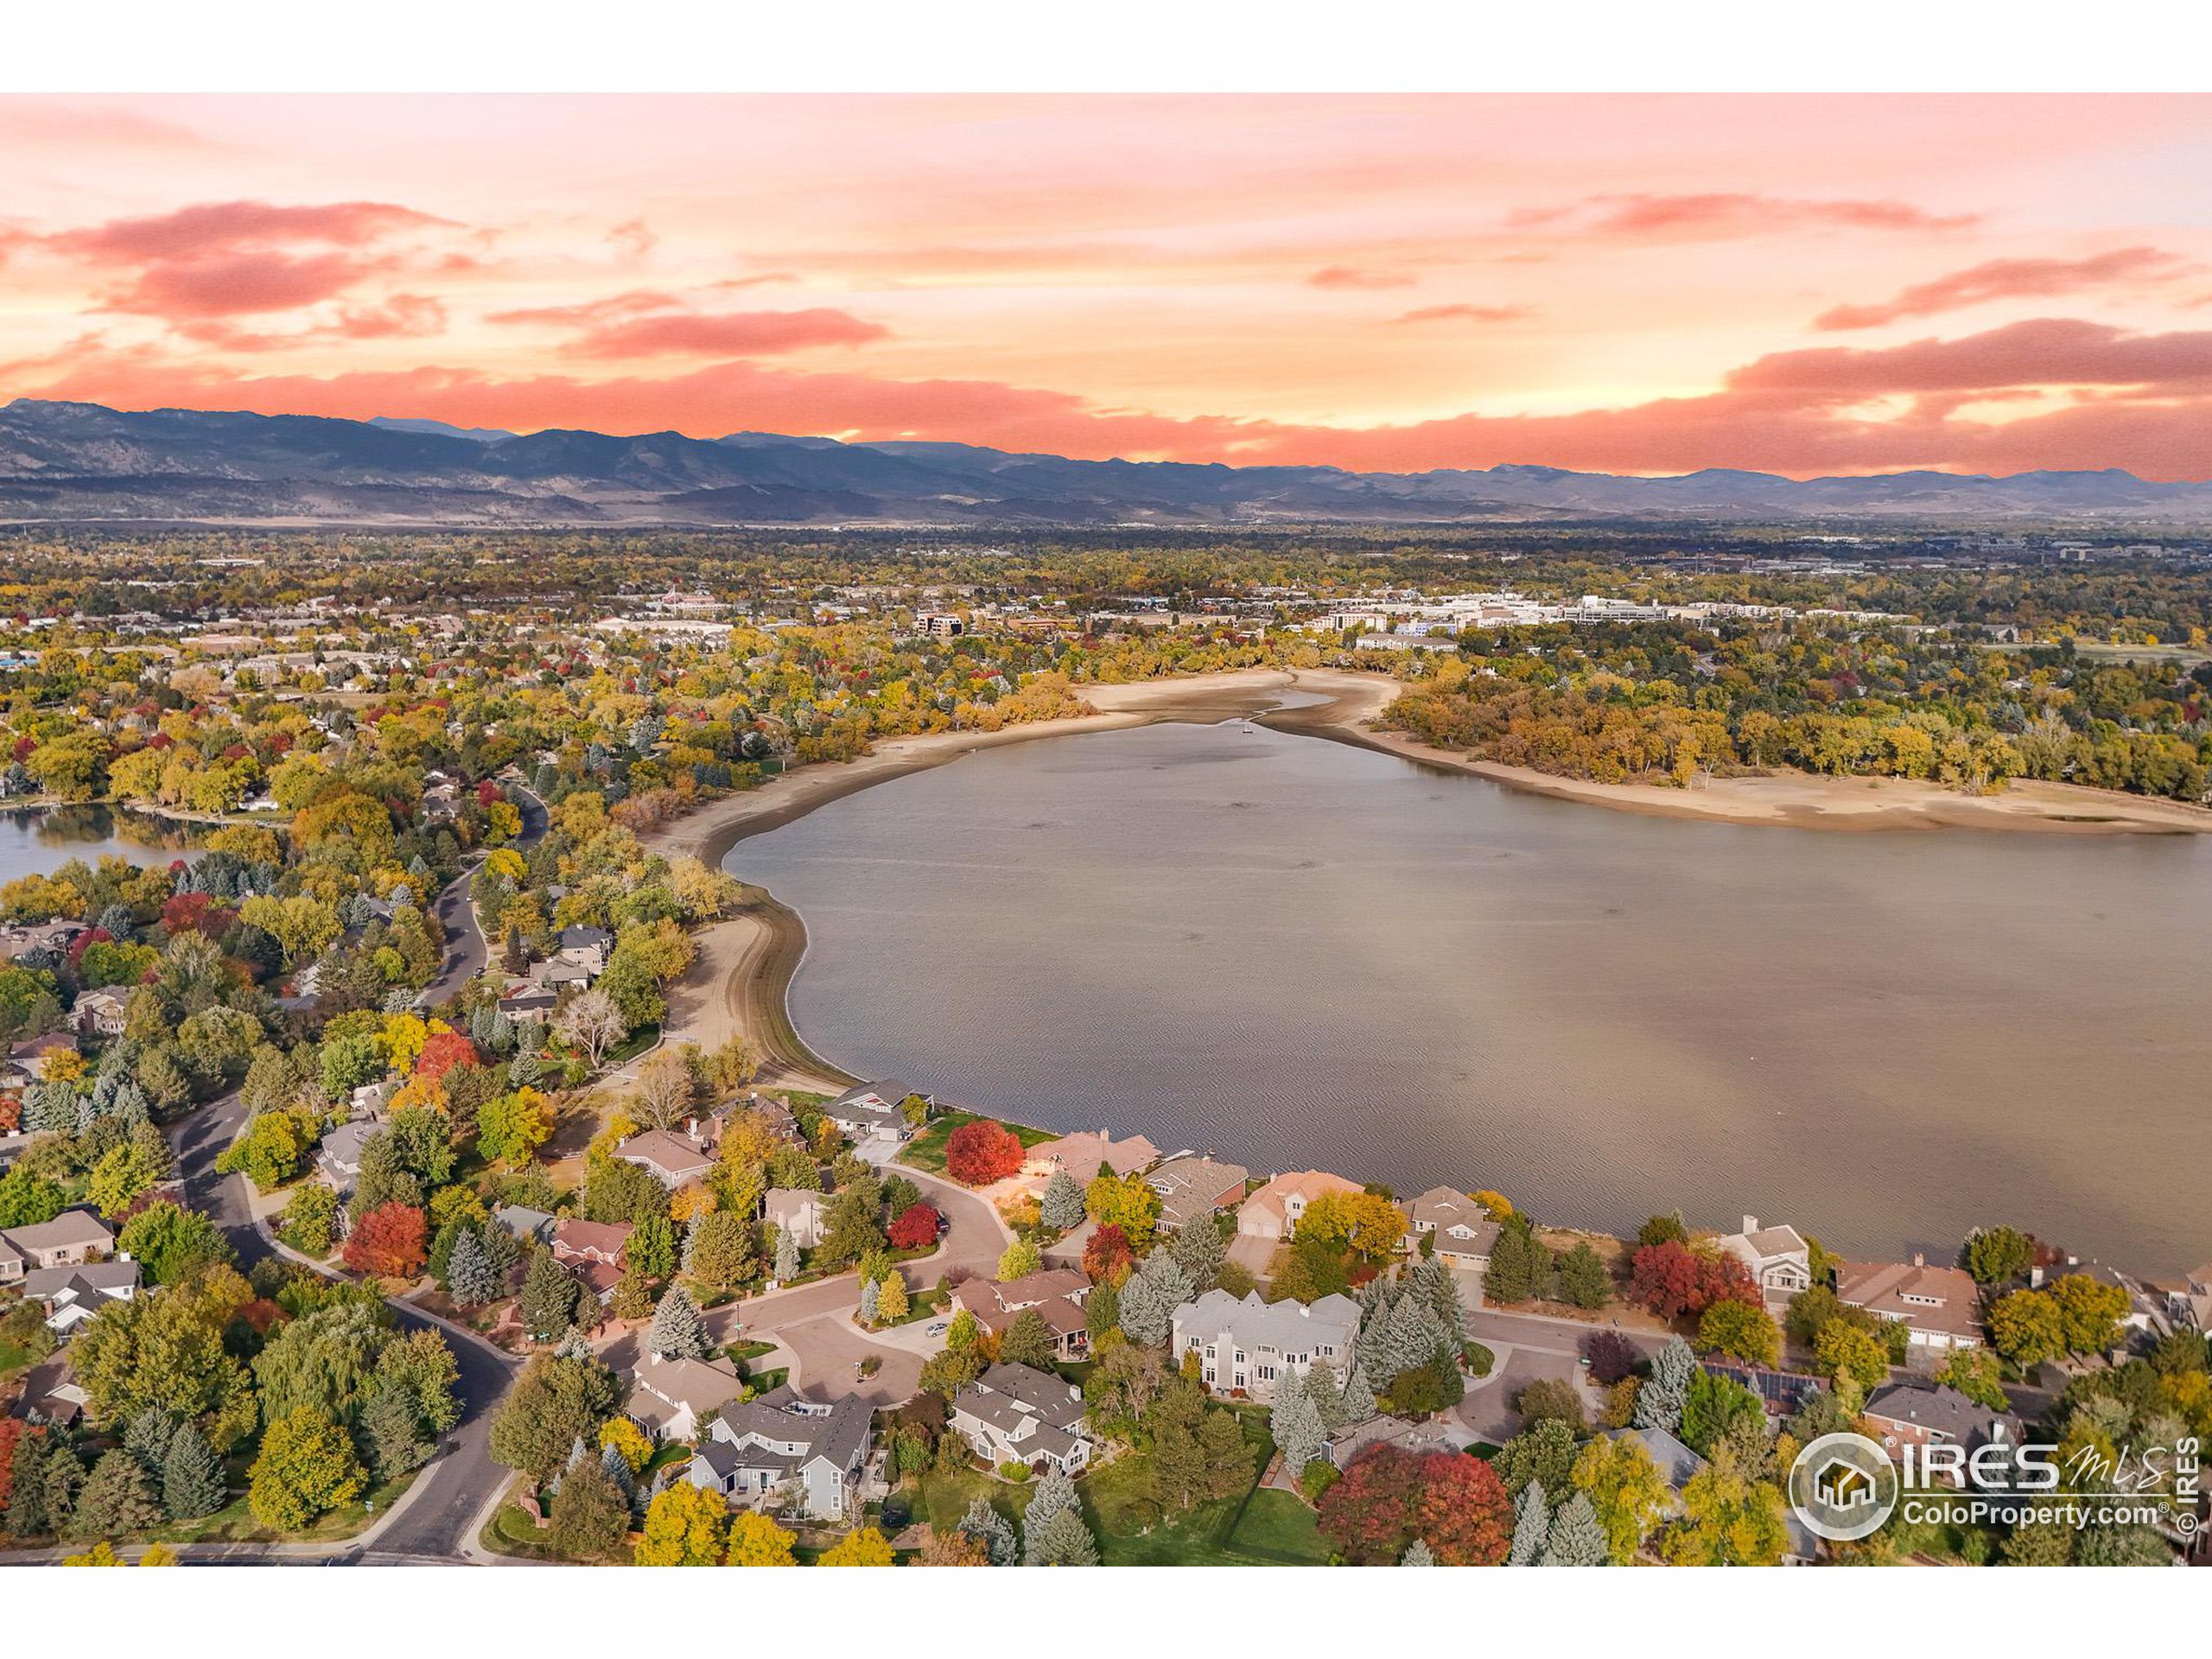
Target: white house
column 671, row 1397
column 1246, row 1345
column 1779, row 1259
column 800, row 1213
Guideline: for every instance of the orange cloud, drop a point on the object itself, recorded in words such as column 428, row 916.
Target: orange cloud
column 1720, row 213
column 1466, row 314
column 2004, row 279
column 1352, row 277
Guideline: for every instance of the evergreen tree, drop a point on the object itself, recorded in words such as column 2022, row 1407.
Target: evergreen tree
column 119, row 1497
column 1295, row 1423
column 27, row 1515
column 469, row 1272
column 1054, row 1493
column 148, row 1434
column 993, row 1531
column 1328, row 1398
column 1433, row 1282
column 616, row 1467
column 1576, row 1539
column 1198, row 1249
column 869, row 1296
column 393, row 1428
column 786, row 1256
column 63, row 1477
column 1062, row 1206
column 1659, row 1402
column 1359, row 1397
column 1417, row 1554
column 193, row 1481
column 1532, row 1526
column 1065, row 1542
column 549, row 1298
column 1150, row 1298
column 677, row 1332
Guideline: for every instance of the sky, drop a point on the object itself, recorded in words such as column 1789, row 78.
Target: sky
column 1648, row 284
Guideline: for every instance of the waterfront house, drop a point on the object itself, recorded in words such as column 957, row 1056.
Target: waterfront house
column 1189, row 1187
column 782, row 1445
column 72, row 1237
column 1273, row 1211
column 1055, row 1294
column 873, row 1110
column 1463, row 1230
column 1246, row 1346
column 1014, row 1415
column 1780, row 1260
column 1085, row 1153
column 1941, row 1306
column 670, row 1398
column 797, row 1212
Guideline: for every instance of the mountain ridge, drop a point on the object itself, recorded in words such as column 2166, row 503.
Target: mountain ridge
column 80, row 462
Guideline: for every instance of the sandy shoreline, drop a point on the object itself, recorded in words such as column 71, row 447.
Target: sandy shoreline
column 741, row 979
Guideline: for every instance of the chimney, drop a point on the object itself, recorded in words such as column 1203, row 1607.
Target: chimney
column 1751, row 1223
column 1919, row 1259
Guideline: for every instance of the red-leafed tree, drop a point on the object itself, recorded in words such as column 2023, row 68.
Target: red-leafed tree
column 981, row 1153
column 1107, row 1257
column 1453, row 1503
column 914, row 1230
column 12, row 1430
column 1673, row 1280
column 183, row 913
column 444, row 1050
column 391, row 1241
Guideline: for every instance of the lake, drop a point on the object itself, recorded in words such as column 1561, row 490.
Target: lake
column 1298, row 953
column 37, row 840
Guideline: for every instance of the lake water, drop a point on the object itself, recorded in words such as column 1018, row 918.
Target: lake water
column 1295, row 952
column 39, row 839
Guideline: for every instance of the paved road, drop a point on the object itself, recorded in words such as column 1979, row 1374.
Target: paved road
column 465, row 951
column 446, row 1498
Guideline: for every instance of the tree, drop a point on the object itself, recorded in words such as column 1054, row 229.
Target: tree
column 310, row 1220
column 684, row 1527
column 982, row 1152
column 1543, row 1452
column 756, row 1540
column 119, row 1497
column 1150, row 1298
column 891, row 1301
column 306, row 1467
column 1295, row 1423
column 1843, row 1351
column 1107, row 1258
column 952, row 1547
column 592, row 1024
column 555, row 1403
column 169, row 1351
column 1519, row 1264
column 864, row 1546
column 851, row 1232
column 1389, row 1496
column 666, row 1088
column 548, row 1304
column 677, row 1332
column 469, row 1274
column 1975, row 1373
column 2089, row 1312
column 721, row 1251
column 510, row 1128
column 1727, row 1520
column 322, row 1362
column 1051, row 1495
column 1659, row 1402
column 1532, row 1525
column 1027, row 1340
column 390, row 1241
column 1199, row 1250
column 124, row 1173
column 1997, row 1256
column 1626, row 1492
column 1576, row 1538
column 589, row 1516
column 1417, row 1554
column 1063, row 1541
column 991, row 1530
column 172, row 1243
column 1583, row 1280
column 1713, row 1407
column 193, row 1480
column 1018, row 1260
column 1739, row 1331
column 1366, row 1223
column 915, row 1228
column 1126, row 1202
column 1612, row 1356
column 1673, row 1280
column 1061, row 1208
column 2028, row 1327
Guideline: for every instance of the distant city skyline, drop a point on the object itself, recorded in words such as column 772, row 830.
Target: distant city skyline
column 1638, row 284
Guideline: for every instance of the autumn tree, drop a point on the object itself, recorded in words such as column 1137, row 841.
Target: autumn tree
column 1389, row 1496
column 1625, row 1488
column 306, row 1468
column 1740, row 1332
column 864, row 1546
column 685, row 1526
column 915, row 1229
column 390, row 1241
column 756, row 1540
column 982, row 1152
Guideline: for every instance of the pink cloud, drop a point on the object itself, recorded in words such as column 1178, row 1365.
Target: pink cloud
column 219, row 226
column 1466, row 314
column 2004, row 279
column 1353, row 276
column 742, row 334
column 1723, row 213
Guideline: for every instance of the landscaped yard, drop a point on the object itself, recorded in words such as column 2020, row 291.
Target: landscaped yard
column 235, row 1523
column 926, row 1150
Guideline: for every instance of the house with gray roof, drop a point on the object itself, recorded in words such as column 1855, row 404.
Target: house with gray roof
column 797, row 1211
column 1907, row 1414
column 1192, row 1187
column 68, row 1239
column 783, row 1445
column 72, row 1295
column 1013, row 1413
column 1677, row 1462
column 1246, row 1346
column 339, row 1158
column 1462, row 1230
column 671, row 1397
column 870, row 1109
column 1780, row 1260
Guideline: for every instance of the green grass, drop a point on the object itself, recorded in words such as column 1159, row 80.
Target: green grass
column 1479, row 1359
column 513, row 1533
column 923, row 1304
column 14, row 1359
column 1277, row 1527
column 926, row 1150
column 235, row 1523
column 636, row 1044
column 739, row 1353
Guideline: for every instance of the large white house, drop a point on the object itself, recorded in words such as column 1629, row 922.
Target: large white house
column 1246, row 1345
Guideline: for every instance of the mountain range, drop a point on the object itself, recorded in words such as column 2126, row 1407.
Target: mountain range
column 83, row 462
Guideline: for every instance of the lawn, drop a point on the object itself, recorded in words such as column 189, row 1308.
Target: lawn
column 12, row 1358
column 235, row 1523
column 1278, row 1527
column 926, row 1150
column 513, row 1533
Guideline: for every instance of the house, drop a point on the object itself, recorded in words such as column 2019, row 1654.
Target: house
column 528, row 1006
column 592, row 1250
column 872, row 1110
column 1941, row 1306
column 1014, row 1415
column 52, row 1394
column 783, row 1444
column 1273, row 1212
column 28, row 1055
column 1191, row 1187
column 2196, row 1296
column 1418, row 1439
column 796, row 1212
column 1462, row 1230
column 1083, row 1154
column 73, row 1295
column 101, row 1013
column 670, row 1399
column 339, row 1158
column 1780, row 1260
column 587, row 948
column 34, row 938
column 1246, row 1345
column 1055, row 1294
column 560, row 971
column 1905, row 1414
column 72, row 1237
column 526, row 1224
column 1781, row 1393
column 671, row 1157
column 1676, row 1462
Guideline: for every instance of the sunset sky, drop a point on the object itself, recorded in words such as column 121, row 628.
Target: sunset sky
column 1630, row 284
